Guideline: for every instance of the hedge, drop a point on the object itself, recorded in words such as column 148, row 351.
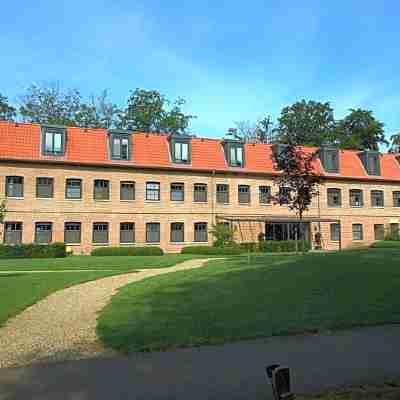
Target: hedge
column 212, row 251
column 386, row 244
column 127, row 251
column 53, row 250
column 272, row 246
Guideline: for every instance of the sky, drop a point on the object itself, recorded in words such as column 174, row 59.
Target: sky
column 230, row 60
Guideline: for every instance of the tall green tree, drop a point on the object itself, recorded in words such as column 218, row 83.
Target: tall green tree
column 7, row 111
column 360, row 130
column 306, row 122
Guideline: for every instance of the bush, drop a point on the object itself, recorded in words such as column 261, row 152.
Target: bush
column 53, row 250
column 270, row 246
column 213, row 251
column 127, row 251
column 386, row 244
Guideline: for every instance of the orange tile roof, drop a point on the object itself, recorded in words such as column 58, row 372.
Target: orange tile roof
column 21, row 141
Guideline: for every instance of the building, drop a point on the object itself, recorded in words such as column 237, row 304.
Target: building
column 92, row 187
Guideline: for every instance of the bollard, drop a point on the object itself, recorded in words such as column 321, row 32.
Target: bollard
column 280, row 380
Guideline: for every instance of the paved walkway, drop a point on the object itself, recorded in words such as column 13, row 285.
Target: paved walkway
column 62, row 326
column 231, row 372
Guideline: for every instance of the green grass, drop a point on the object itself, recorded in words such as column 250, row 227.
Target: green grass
column 119, row 263
column 275, row 295
column 387, row 244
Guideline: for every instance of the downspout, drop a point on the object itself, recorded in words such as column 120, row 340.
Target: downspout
column 213, row 197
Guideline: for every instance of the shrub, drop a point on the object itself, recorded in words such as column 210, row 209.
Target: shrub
column 223, row 235
column 127, row 251
column 386, row 244
column 212, row 251
column 270, row 246
column 53, row 250
column 392, row 236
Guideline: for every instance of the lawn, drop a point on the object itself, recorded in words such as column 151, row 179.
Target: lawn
column 275, row 295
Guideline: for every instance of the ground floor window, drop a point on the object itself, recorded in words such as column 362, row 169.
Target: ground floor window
column 200, row 232
column 72, row 232
column 357, row 232
column 153, row 232
column 43, row 232
column 100, row 232
column 379, row 231
column 127, row 232
column 13, row 232
column 335, row 232
column 177, row 232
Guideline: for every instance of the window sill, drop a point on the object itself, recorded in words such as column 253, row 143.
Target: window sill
column 204, row 202
column 223, row 204
column 127, row 201
column 127, row 244
column 244, row 204
column 152, row 201
column 101, row 244
column 177, row 201
column 177, row 243
column 200, row 242
column 356, row 206
column 15, row 198
column 378, row 207
column 44, row 198
column 152, row 243
column 265, row 204
column 73, row 244
column 68, row 199
column 102, row 201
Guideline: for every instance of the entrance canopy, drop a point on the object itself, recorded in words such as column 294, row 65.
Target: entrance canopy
column 271, row 218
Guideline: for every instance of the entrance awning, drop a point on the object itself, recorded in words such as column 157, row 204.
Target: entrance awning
column 271, row 218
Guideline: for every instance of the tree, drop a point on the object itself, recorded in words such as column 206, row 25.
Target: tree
column 259, row 132
column 223, row 234
column 3, row 210
column 150, row 111
column 7, row 112
column 306, row 122
column 360, row 130
column 395, row 143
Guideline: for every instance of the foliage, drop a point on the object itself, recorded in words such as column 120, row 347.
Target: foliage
column 360, row 130
column 223, row 235
column 395, row 143
column 211, row 250
column 386, row 244
column 7, row 112
column 127, row 251
column 278, row 246
column 150, row 111
column 53, row 250
column 306, row 122
column 260, row 132
column 3, row 210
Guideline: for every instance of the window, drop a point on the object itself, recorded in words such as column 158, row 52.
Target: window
column 334, row 198
column 223, row 193
column 265, row 194
column 377, row 198
column 396, row 199
column 379, row 231
column 329, row 157
column 101, row 189
column 73, row 188
column 177, row 192
column 13, row 232
column 127, row 232
column 200, row 232
column 357, row 232
column 53, row 140
column 236, row 155
column 120, row 145
column 284, row 195
column 181, row 152
column 44, row 187
column 356, row 198
column 153, row 191
column 100, row 232
column 177, row 232
column 72, row 232
column 244, row 194
column 371, row 162
column 200, row 193
column 394, row 231
column 127, row 191
column 14, row 186
column 153, row 232
column 43, row 232
column 335, row 232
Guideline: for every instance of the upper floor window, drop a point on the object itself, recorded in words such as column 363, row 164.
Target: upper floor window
column 234, row 153
column 127, row 190
column 284, row 195
column 356, row 198
column 120, row 145
column 181, row 152
column 396, row 199
column 177, row 192
column 72, row 232
column 244, row 194
column 153, row 191
column 73, row 188
column 14, row 186
column 127, row 232
column 44, row 187
column 43, row 232
column 53, row 140
column 13, row 232
column 329, row 157
column 101, row 189
column 200, row 193
column 377, row 199
column 371, row 162
column 265, row 194
column 222, row 193
column 334, row 197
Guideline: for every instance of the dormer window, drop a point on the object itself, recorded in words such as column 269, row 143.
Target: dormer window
column 234, row 153
column 120, row 145
column 180, row 148
column 371, row 162
column 329, row 157
column 53, row 140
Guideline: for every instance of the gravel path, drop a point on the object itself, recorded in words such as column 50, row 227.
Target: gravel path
column 62, row 326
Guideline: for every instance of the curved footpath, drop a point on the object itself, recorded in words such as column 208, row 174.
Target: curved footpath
column 62, row 326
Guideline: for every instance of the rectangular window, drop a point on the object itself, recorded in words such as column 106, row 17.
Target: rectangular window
column 200, row 193
column 14, row 186
column 334, row 197
column 177, row 232
column 72, row 232
column 244, row 194
column 396, row 199
column 181, row 152
column 153, row 232
column 284, row 195
column 377, row 198
column 53, row 140
column 13, row 232
column 236, row 156
column 127, row 232
column 153, row 191
column 335, row 232
column 356, row 198
column 200, row 232
column 357, row 232
column 101, row 189
column 100, row 232
column 73, row 188
column 177, row 192
column 265, row 194
column 222, row 193
column 120, row 146
column 379, row 231
column 44, row 187
column 127, row 191
column 43, row 232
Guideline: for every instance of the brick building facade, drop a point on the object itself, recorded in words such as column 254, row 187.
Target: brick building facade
column 90, row 187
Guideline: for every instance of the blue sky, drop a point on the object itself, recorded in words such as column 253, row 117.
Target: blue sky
column 231, row 60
